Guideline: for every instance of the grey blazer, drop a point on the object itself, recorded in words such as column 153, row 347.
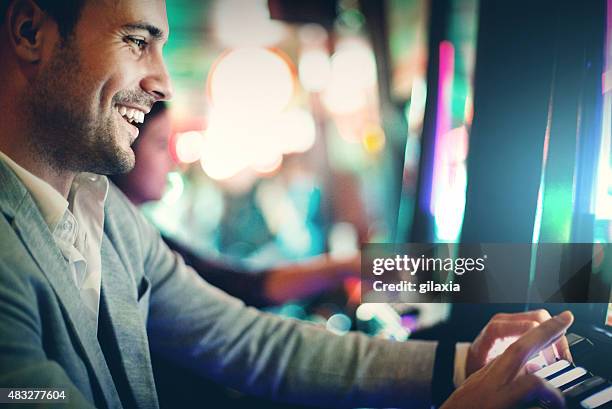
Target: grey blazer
column 151, row 301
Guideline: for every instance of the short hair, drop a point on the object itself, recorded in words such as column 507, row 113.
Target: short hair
column 66, row 13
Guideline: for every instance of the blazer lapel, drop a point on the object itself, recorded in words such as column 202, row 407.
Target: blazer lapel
column 31, row 228
column 119, row 304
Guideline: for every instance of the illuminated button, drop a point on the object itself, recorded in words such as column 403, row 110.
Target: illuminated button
column 552, row 369
column 567, row 377
column 598, row 400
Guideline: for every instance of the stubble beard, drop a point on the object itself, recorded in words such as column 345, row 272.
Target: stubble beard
column 66, row 129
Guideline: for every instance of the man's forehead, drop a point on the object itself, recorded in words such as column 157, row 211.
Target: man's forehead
column 148, row 15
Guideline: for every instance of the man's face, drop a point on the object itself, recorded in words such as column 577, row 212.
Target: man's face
column 95, row 83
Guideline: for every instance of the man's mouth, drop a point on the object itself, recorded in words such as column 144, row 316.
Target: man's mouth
column 131, row 115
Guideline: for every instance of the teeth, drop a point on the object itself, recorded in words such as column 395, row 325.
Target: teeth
column 131, row 115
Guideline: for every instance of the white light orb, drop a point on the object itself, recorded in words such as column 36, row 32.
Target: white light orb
column 251, row 82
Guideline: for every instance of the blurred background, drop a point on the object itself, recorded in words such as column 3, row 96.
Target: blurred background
column 297, row 127
column 301, row 127
column 279, row 124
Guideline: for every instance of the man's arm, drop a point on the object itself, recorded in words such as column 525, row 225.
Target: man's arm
column 273, row 286
column 201, row 327
column 309, row 277
column 226, row 274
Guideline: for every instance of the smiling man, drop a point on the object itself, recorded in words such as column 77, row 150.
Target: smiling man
column 88, row 289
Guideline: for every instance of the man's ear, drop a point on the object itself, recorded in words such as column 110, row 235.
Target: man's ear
column 25, row 20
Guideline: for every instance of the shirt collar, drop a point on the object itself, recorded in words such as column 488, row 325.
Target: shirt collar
column 50, row 202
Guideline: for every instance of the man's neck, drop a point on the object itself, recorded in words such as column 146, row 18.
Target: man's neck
column 60, row 181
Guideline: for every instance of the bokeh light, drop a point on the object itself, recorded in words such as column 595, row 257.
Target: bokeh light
column 175, row 188
column 294, row 131
column 223, row 154
column 314, row 70
column 339, row 324
column 243, row 23
column 355, row 58
column 268, row 164
column 373, row 138
column 230, row 146
column 250, row 83
column 353, row 74
column 189, row 146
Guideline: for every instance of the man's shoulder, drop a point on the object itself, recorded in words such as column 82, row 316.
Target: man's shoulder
column 123, row 222
column 116, row 201
column 120, row 211
column 132, row 236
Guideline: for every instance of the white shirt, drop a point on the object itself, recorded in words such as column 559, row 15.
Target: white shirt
column 77, row 226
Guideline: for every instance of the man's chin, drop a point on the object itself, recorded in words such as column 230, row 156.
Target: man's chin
column 126, row 163
column 115, row 163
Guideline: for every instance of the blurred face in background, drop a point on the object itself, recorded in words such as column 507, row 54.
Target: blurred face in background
column 147, row 181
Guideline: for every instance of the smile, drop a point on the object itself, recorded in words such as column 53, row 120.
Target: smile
column 131, row 115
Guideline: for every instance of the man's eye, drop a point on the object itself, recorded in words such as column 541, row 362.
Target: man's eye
column 138, row 42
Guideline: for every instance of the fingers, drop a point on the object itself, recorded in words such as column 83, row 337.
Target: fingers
column 503, row 329
column 560, row 349
column 549, row 354
column 536, row 315
column 515, row 357
column 563, row 349
column 531, row 367
column 530, row 388
column 498, row 330
column 539, row 316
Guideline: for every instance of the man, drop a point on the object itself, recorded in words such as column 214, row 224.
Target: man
column 87, row 288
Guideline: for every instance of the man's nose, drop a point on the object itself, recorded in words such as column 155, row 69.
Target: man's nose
column 157, row 83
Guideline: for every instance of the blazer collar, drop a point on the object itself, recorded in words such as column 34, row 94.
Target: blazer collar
column 50, row 202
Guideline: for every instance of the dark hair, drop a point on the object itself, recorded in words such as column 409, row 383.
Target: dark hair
column 66, row 13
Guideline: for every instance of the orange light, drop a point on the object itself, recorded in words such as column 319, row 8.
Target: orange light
column 373, row 138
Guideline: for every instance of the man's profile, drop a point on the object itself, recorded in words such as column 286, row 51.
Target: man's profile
column 87, row 287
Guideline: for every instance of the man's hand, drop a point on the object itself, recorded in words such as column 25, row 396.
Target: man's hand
column 501, row 331
column 504, row 383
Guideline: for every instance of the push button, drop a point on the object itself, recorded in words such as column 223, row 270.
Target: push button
column 552, row 369
column 600, row 400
